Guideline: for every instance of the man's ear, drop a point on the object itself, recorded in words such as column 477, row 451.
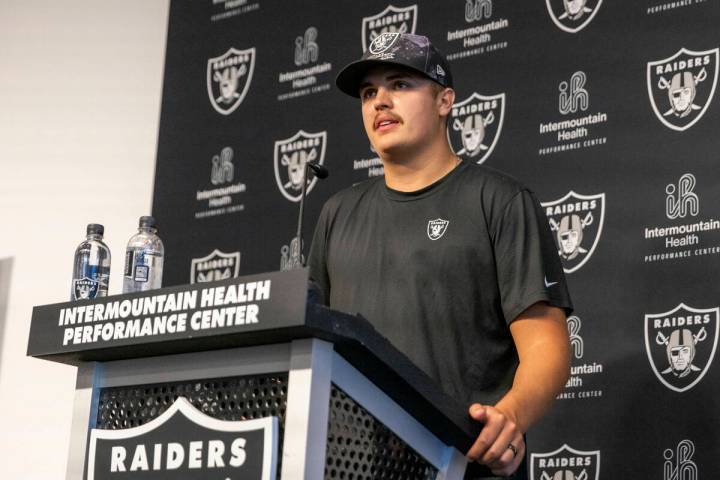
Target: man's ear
column 445, row 100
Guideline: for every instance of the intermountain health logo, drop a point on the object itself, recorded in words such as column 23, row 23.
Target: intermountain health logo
column 572, row 15
column 309, row 75
column 583, row 381
column 229, row 77
column 681, row 344
column 577, row 222
column 291, row 155
column 390, row 20
column 679, row 464
column 684, row 236
column 290, row 257
column 483, row 30
column 681, row 87
column 216, row 265
column 580, row 130
column 225, row 194
column 565, row 463
column 475, row 125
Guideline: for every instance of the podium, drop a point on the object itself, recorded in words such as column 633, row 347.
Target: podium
column 245, row 378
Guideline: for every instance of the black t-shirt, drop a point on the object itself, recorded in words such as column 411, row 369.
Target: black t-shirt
column 441, row 272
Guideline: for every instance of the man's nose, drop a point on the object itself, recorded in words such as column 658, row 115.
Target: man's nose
column 382, row 99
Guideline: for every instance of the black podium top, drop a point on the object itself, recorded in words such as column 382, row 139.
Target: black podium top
column 246, row 311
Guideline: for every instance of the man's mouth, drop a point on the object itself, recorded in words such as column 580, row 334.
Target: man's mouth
column 383, row 123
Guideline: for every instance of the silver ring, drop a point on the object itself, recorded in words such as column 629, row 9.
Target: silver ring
column 513, row 449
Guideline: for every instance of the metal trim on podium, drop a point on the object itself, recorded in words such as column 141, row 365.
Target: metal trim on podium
column 341, row 389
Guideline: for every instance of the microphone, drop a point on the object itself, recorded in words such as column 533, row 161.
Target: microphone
column 320, row 172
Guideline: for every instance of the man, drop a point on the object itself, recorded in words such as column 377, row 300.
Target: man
column 453, row 262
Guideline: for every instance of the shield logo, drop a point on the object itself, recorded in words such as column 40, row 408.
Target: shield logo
column 572, row 15
column 576, row 221
column 85, row 288
column 437, row 228
column 681, row 344
column 291, row 155
column 682, row 86
column 390, row 20
column 229, row 77
column 475, row 124
column 215, row 266
column 565, row 463
column 219, row 449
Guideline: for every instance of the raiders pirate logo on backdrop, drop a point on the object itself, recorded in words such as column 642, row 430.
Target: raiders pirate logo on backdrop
column 390, row 20
column 565, row 463
column 229, row 77
column 572, row 15
column 576, row 221
column 681, row 344
column 682, row 86
column 215, row 266
column 475, row 125
column 291, row 155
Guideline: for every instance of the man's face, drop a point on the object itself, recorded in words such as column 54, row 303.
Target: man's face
column 400, row 110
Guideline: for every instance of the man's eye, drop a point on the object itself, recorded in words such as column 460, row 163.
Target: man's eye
column 368, row 93
column 401, row 84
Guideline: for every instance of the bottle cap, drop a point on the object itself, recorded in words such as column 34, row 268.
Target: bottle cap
column 148, row 221
column 95, row 229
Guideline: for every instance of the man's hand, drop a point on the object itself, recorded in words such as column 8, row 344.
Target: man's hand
column 492, row 447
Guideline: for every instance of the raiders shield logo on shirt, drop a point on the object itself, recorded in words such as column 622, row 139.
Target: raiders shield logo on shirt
column 215, row 266
column 291, row 155
column 572, row 15
column 565, row 463
column 682, row 86
column 681, row 344
column 390, row 20
column 229, row 77
column 437, row 228
column 475, row 124
column 576, row 221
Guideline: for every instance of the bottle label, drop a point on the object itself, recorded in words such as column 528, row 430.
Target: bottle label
column 85, row 288
column 129, row 261
column 141, row 273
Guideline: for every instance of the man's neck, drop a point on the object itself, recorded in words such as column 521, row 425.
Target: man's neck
column 411, row 172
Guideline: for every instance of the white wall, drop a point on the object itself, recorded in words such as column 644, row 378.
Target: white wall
column 80, row 87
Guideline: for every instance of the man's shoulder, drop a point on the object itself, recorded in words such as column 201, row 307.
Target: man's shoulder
column 354, row 194
column 496, row 188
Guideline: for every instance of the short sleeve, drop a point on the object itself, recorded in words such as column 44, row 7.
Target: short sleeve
column 527, row 261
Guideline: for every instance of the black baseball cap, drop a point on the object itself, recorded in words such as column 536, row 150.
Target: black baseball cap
column 402, row 49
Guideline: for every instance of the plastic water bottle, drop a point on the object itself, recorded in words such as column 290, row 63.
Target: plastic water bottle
column 144, row 259
column 91, row 268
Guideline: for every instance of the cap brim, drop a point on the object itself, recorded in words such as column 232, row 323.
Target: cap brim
column 350, row 77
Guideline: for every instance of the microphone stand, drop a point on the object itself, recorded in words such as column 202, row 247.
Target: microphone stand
column 320, row 172
column 301, row 214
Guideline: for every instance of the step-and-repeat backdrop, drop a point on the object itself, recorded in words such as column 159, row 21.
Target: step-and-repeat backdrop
column 607, row 110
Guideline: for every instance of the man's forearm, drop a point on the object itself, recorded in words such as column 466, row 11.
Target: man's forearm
column 541, row 337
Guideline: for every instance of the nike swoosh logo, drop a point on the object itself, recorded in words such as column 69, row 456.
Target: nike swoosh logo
column 549, row 284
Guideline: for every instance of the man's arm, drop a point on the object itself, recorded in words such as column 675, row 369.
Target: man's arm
column 541, row 338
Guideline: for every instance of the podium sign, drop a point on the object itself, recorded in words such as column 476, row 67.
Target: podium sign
column 184, row 443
